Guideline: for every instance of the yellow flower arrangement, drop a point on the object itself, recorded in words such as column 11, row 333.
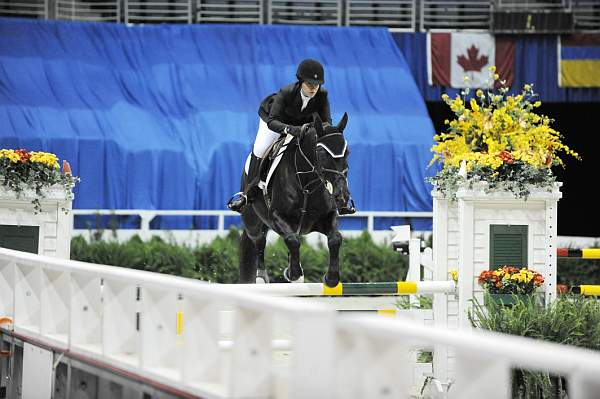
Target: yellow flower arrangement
column 510, row 280
column 498, row 138
column 24, row 170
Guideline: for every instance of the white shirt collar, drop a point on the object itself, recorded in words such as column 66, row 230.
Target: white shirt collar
column 305, row 100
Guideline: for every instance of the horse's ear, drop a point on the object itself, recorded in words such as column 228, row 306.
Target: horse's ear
column 318, row 123
column 342, row 124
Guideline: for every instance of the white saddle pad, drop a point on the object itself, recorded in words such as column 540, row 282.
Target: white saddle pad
column 264, row 184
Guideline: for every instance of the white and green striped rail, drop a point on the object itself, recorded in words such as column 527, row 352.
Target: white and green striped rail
column 352, row 289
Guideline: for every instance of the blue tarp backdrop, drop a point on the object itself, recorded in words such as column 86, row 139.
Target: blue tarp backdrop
column 162, row 117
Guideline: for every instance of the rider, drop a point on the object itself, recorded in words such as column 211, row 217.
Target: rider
column 286, row 112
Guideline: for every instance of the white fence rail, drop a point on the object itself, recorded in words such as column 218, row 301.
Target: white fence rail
column 167, row 329
column 193, row 236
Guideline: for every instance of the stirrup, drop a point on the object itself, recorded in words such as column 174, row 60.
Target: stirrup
column 347, row 209
column 238, row 201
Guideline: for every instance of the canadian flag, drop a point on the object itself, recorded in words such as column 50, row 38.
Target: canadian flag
column 453, row 56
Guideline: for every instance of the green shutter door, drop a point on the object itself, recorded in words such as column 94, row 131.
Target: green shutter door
column 20, row 238
column 508, row 246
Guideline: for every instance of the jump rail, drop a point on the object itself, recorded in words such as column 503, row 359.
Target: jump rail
column 584, row 253
column 165, row 331
column 351, row 289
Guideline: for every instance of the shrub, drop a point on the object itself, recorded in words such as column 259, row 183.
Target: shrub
column 360, row 258
column 570, row 320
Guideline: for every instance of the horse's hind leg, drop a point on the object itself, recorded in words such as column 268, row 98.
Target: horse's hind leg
column 293, row 273
column 248, row 259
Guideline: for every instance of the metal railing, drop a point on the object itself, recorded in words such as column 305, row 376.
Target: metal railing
column 90, row 10
column 237, row 11
column 169, row 330
column 532, row 4
column 401, row 15
column 24, row 8
column 586, row 15
column 447, row 15
column 152, row 11
column 395, row 14
column 325, row 12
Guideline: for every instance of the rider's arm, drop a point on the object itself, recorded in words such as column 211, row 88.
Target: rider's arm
column 276, row 114
column 325, row 113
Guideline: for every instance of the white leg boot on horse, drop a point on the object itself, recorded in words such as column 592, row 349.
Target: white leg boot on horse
column 240, row 200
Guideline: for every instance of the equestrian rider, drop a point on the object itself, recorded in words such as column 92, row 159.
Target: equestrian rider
column 287, row 112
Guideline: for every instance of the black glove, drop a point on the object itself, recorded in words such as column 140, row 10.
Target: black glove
column 295, row 131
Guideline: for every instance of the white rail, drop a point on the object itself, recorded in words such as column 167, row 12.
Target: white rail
column 165, row 329
column 146, row 216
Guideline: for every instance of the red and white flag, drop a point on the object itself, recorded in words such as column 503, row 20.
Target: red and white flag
column 452, row 56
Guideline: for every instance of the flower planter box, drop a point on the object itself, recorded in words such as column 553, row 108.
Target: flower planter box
column 510, row 299
column 46, row 232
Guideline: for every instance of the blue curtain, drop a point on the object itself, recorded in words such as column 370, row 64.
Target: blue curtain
column 162, row 117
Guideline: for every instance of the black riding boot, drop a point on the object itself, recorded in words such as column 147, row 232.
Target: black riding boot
column 347, row 209
column 241, row 199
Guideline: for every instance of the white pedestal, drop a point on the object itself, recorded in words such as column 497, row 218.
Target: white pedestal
column 55, row 222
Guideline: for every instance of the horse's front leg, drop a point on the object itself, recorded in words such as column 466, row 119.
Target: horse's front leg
column 293, row 272
column 262, row 276
column 334, row 242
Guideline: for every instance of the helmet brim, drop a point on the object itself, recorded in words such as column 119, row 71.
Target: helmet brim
column 314, row 81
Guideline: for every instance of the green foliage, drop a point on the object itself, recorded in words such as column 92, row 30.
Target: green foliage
column 573, row 271
column 570, row 320
column 361, row 260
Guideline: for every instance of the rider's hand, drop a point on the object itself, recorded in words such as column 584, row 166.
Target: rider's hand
column 295, row 131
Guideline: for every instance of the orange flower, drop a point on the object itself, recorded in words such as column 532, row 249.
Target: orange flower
column 24, row 155
column 66, row 167
column 506, row 156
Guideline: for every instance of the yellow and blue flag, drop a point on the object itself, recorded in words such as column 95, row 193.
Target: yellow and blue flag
column 579, row 60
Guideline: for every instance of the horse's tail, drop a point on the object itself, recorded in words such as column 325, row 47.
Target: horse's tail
column 248, row 257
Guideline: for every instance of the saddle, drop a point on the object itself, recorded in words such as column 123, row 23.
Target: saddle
column 270, row 162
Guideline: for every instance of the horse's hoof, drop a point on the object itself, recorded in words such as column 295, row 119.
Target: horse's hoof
column 331, row 281
column 262, row 277
column 286, row 275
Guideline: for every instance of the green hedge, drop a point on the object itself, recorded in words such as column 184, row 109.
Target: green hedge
column 361, row 260
column 573, row 271
column 570, row 320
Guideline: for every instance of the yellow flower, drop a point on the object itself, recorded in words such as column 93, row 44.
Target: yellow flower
column 479, row 93
column 45, row 158
column 11, row 155
column 453, row 274
column 492, row 68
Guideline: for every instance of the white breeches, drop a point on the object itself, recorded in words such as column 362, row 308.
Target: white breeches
column 264, row 138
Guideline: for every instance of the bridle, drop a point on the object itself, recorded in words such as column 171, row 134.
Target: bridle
column 318, row 171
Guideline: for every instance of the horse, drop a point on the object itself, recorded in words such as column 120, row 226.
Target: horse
column 306, row 189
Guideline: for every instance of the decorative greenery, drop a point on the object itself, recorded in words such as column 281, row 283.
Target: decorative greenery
column 498, row 139
column 361, row 260
column 22, row 170
column 569, row 320
column 510, row 280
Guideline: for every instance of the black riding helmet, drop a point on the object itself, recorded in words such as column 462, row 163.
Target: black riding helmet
column 311, row 71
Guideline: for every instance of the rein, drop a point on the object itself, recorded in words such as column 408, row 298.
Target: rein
column 318, row 171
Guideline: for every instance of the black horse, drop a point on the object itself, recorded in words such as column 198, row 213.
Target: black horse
column 306, row 189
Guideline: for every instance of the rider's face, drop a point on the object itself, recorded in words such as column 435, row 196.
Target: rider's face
column 309, row 89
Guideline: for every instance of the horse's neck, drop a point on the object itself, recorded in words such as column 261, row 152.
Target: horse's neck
column 308, row 147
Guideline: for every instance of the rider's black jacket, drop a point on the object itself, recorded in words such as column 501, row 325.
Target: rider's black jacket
column 281, row 109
